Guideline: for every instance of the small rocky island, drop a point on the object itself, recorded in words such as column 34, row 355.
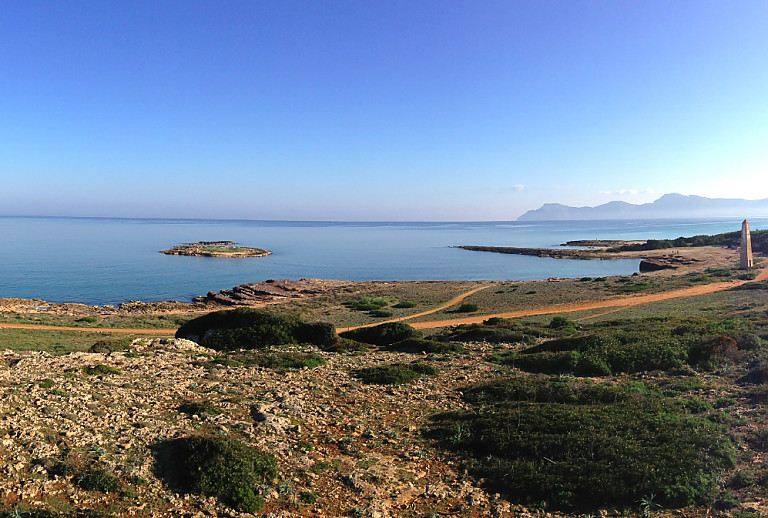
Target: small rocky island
column 216, row 249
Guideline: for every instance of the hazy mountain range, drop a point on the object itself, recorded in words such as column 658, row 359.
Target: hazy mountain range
column 668, row 206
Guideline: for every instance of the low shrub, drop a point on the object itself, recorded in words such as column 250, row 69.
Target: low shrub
column 382, row 334
column 380, row 313
column 580, row 445
column 225, row 468
column 467, row 307
column 406, row 304
column 321, row 334
column 247, row 328
column 396, row 373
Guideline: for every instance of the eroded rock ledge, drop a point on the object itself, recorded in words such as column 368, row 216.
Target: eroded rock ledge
column 271, row 291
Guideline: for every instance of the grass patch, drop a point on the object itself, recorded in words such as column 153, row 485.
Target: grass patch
column 100, row 370
column 396, row 373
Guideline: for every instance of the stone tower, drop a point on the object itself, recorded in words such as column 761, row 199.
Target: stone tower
column 746, row 248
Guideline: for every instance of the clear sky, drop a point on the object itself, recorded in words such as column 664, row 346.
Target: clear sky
column 377, row 110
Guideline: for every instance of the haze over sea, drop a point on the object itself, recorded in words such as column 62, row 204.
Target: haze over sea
column 109, row 261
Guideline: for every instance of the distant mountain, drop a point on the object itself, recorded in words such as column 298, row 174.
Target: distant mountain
column 668, row 206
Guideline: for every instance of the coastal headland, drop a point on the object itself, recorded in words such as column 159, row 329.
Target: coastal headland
column 96, row 398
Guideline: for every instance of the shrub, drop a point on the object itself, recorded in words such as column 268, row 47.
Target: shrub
column 247, row 328
column 321, row 334
column 467, row 307
column 380, row 313
column 382, row 334
column 713, row 352
column 367, row 303
column 406, row 304
column 582, row 445
column 396, row 373
column 221, row 467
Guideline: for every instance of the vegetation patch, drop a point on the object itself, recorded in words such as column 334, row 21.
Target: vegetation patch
column 382, row 334
column 645, row 345
column 247, row 328
column 582, row 445
column 199, row 408
column 405, row 304
column 227, row 469
column 467, row 307
column 367, row 303
column 396, row 373
column 100, row 369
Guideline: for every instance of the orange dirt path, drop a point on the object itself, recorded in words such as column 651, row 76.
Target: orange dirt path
column 448, row 304
column 619, row 303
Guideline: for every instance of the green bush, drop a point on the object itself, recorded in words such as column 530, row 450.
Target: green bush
column 396, row 373
column 225, row 468
column 247, row 328
column 367, row 303
column 467, row 307
column 380, row 313
column 406, row 304
column 382, row 334
column 321, row 334
column 583, row 445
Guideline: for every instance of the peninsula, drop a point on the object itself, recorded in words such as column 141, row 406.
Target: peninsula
column 216, row 249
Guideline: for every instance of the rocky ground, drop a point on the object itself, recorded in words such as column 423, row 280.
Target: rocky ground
column 344, row 448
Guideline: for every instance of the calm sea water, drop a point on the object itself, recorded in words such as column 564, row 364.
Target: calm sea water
column 108, row 261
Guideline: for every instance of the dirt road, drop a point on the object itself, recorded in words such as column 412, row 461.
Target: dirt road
column 616, row 304
column 619, row 303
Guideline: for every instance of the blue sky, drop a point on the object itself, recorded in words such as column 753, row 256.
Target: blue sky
column 377, row 110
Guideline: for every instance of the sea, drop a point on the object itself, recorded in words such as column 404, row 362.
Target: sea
column 100, row 261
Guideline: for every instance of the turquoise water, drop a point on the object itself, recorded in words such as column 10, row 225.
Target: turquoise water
column 108, row 261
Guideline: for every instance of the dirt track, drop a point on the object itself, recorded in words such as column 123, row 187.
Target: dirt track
column 618, row 303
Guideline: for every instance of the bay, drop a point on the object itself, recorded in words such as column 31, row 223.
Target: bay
column 109, row 260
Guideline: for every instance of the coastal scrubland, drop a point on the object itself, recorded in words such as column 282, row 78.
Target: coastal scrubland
column 646, row 410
